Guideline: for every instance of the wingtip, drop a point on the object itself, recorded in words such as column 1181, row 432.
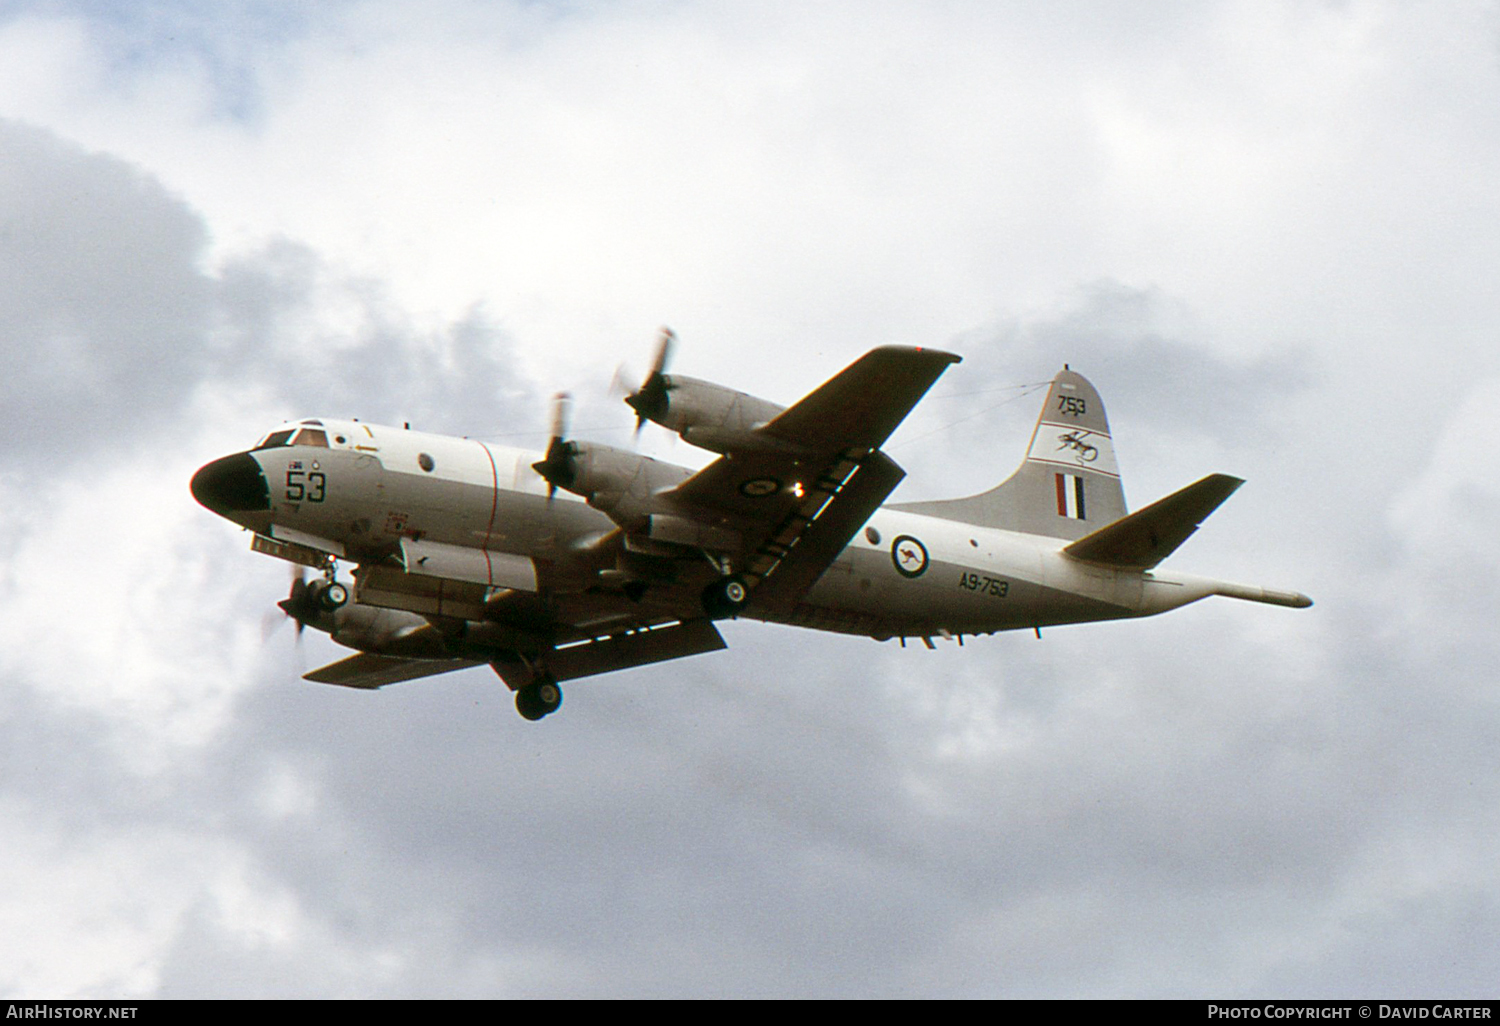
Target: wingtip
column 942, row 355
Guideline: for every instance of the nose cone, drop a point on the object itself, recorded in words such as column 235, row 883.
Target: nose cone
column 230, row 485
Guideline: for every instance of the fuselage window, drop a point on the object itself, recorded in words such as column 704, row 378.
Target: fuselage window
column 312, row 436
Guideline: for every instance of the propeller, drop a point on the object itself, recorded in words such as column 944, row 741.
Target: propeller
column 650, row 400
column 299, row 603
column 306, row 602
column 557, row 467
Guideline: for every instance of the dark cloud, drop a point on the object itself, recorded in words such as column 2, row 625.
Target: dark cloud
column 712, row 828
column 110, row 320
column 103, row 304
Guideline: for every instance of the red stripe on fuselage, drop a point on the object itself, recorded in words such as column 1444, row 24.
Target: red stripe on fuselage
column 494, row 511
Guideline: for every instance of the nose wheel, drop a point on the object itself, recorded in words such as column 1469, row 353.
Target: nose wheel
column 539, row 698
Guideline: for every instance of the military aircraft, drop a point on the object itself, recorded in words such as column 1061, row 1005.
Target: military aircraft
column 588, row 558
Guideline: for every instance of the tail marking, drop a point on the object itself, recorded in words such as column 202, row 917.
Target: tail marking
column 1070, row 496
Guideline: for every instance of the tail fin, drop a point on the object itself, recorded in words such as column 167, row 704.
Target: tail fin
column 1068, row 485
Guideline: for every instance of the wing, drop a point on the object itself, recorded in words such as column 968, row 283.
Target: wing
column 364, row 670
column 816, row 475
column 618, row 651
column 604, row 653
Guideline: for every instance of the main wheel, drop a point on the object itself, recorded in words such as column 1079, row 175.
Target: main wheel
column 527, row 706
column 333, row 595
column 725, row 597
column 548, row 694
column 539, row 698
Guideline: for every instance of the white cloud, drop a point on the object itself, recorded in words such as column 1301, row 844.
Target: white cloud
column 1265, row 232
column 125, row 624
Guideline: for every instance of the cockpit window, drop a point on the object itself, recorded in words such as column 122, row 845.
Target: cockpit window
column 275, row 439
column 312, row 436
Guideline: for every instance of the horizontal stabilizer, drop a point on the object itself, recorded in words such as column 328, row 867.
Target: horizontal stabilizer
column 1148, row 536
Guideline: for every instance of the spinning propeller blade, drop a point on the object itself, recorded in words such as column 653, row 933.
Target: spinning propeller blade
column 557, row 467
column 298, row 605
column 650, row 400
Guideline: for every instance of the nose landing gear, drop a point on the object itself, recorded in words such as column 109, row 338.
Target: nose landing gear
column 330, row 595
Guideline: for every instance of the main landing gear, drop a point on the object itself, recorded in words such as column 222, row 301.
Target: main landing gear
column 725, row 597
column 539, row 698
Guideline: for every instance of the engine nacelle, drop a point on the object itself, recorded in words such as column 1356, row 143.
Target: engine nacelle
column 711, row 416
column 617, row 481
column 392, row 632
column 408, row 635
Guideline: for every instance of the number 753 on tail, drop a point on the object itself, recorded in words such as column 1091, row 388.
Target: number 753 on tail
column 586, row 558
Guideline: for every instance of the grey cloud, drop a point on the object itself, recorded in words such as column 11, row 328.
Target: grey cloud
column 103, row 306
column 1155, row 359
column 458, row 378
column 1168, row 388
column 109, row 320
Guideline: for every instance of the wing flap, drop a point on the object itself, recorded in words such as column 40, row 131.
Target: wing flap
column 1148, row 536
column 794, row 557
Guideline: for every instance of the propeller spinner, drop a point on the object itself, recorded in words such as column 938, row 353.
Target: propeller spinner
column 557, row 467
column 307, row 602
column 650, row 400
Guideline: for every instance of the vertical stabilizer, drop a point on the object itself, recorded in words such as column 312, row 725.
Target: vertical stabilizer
column 1069, row 483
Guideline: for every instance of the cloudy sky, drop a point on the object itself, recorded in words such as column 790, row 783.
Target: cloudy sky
column 1267, row 231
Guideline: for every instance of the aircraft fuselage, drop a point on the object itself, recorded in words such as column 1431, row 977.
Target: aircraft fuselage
column 586, row 558
column 373, row 488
